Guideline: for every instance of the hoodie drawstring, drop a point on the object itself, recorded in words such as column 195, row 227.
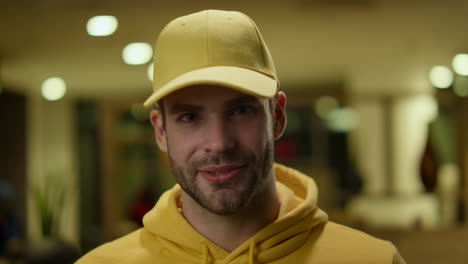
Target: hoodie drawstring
column 252, row 252
column 205, row 253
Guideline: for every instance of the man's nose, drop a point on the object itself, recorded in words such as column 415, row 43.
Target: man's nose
column 218, row 137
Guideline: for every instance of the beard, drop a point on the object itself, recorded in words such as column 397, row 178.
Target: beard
column 230, row 197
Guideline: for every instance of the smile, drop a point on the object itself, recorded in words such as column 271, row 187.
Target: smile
column 220, row 174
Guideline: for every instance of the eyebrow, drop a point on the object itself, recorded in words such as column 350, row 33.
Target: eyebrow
column 243, row 99
column 179, row 108
column 182, row 107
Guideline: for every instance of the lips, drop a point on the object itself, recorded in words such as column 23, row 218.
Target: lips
column 220, row 174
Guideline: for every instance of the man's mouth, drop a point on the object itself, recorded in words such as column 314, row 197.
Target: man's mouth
column 220, row 174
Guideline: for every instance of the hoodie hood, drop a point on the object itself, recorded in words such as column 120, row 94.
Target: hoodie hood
column 297, row 217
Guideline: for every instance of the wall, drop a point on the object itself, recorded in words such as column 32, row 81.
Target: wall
column 51, row 152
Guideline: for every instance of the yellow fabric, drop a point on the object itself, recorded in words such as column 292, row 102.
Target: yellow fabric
column 301, row 234
column 214, row 47
column 252, row 252
column 205, row 254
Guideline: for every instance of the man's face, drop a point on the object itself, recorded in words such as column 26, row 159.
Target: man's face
column 220, row 144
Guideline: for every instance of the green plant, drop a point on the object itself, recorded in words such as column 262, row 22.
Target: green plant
column 49, row 196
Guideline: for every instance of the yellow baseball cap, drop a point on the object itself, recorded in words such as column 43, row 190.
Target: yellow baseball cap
column 213, row 47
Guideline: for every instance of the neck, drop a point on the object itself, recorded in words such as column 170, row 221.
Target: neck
column 229, row 232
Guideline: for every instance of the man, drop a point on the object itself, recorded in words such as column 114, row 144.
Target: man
column 219, row 112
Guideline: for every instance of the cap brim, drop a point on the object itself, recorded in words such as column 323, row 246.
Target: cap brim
column 241, row 79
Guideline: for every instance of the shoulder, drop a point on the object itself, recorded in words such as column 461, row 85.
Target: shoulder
column 348, row 245
column 132, row 248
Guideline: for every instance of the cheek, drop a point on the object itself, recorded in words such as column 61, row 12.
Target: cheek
column 181, row 147
column 255, row 135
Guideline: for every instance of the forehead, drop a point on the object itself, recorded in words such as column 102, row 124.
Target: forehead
column 205, row 95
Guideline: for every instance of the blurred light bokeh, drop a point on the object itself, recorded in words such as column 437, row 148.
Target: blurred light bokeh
column 367, row 120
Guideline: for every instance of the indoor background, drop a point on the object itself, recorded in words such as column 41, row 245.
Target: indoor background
column 377, row 115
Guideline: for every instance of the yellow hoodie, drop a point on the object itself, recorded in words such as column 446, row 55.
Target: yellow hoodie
column 301, row 234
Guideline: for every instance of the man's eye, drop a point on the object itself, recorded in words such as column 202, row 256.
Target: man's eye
column 243, row 109
column 188, row 117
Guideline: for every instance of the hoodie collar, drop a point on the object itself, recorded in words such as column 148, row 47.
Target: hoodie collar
column 297, row 217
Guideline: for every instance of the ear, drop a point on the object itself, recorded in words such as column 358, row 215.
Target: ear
column 279, row 117
column 159, row 130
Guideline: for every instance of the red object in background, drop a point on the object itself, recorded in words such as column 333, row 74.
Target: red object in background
column 286, row 150
column 428, row 168
column 144, row 202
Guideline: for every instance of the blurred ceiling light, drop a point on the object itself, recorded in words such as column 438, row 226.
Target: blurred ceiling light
column 99, row 26
column 460, row 64
column 137, row 53
column 150, row 71
column 342, row 119
column 324, row 105
column 441, row 77
column 53, row 88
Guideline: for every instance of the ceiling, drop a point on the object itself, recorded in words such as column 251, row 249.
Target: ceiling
column 369, row 45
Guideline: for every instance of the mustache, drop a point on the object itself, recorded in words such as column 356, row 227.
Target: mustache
column 220, row 158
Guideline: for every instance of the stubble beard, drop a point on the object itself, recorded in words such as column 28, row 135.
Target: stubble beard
column 226, row 199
